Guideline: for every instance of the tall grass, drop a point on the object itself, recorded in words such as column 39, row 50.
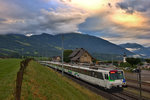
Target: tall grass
column 42, row 83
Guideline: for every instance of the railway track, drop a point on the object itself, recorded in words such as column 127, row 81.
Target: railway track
column 125, row 95
column 145, row 86
column 135, row 81
column 137, row 88
column 110, row 95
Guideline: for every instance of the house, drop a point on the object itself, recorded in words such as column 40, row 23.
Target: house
column 146, row 65
column 80, row 55
column 56, row 58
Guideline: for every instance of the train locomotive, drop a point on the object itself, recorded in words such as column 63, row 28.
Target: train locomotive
column 103, row 77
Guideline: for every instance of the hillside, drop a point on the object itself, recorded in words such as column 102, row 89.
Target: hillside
column 42, row 83
column 137, row 49
column 50, row 45
column 8, row 73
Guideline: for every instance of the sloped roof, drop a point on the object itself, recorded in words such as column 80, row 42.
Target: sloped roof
column 74, row 52
column 78, row 53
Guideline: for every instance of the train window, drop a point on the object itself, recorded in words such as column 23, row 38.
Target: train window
column 73, row 69
column 85, row 72
column 106, row 76
column 79, row 70
column 76, row 70
column 65, row 67
column 89, row 73
column 82, row 71
column 93, row 74
column 116, row 75
column 100, row 75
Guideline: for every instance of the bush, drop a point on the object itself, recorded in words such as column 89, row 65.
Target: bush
column 134, row 61
column 126, row 64
column 66, row 55
column 147, row 60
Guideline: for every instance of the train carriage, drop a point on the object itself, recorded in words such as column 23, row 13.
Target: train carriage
column 104, row 77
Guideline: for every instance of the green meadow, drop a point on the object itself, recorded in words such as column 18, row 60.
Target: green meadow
column 8, row 73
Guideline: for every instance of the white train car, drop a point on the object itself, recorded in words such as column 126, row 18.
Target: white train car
column 107, row 78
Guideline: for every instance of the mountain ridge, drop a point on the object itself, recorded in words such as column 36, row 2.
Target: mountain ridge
column 137, row 49
column 50, row 45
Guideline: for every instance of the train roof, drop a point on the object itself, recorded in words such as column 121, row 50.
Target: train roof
column 99, row 69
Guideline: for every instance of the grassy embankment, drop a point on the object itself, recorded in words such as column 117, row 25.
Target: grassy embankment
column 42, row 83
column 8, row 73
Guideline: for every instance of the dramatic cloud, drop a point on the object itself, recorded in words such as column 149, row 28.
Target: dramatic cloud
column 118, row 21
column 123, row 21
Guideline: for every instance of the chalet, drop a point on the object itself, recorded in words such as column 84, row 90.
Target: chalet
column 56, row 58
column 80, row 55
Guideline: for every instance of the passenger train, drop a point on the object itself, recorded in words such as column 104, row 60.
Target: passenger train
column 103, row 77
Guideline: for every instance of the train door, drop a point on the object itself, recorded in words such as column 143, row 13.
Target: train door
column 106, row 80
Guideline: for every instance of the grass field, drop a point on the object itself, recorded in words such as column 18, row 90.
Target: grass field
column 8, row 73
column 42, row 83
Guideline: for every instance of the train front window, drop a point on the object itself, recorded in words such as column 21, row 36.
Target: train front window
column 115, row 75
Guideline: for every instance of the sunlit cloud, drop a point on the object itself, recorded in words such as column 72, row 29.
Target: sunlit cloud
column 128, row 20
column 88, row 5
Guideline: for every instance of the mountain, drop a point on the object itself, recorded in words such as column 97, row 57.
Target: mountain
column 137, row 49
column 50, row 45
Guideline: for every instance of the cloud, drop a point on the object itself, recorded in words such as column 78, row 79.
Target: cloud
column 59, row 21
column 131, row 6
column 122, row 40
column 27, row 17
column 124, row 21
column 114, row 20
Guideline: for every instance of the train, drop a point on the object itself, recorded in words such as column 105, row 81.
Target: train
column 107, row 78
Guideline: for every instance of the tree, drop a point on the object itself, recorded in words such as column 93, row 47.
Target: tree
column 66, row 55
column 133, row 61
column 15, row 55
column 126, row 64
column 147, row 60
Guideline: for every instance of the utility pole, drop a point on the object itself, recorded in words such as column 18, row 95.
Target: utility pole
column 140, row 85
column 22, row 53
column 138, row 71
column 112, row 60
column 62, row 58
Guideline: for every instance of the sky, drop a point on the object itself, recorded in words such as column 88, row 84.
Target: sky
column 118, row 21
